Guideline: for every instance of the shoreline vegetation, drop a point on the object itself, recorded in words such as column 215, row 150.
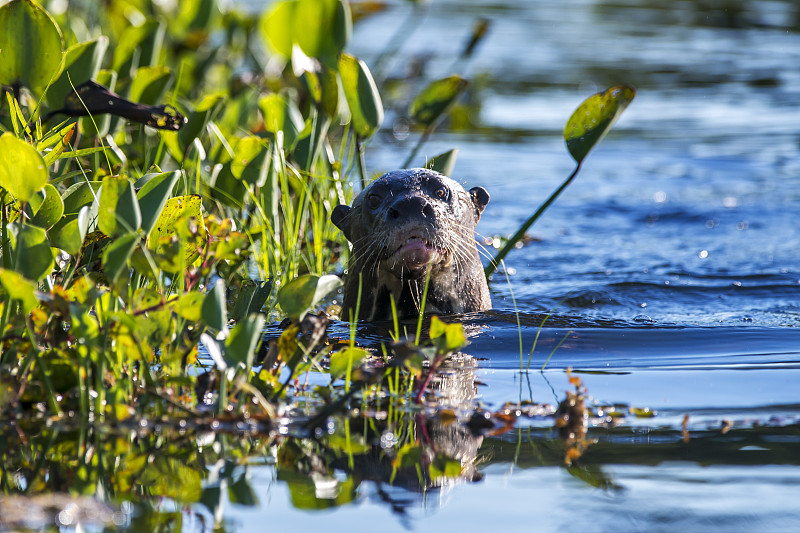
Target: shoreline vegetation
column 167, row 184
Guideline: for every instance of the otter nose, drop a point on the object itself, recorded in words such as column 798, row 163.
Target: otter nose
column 410, row 207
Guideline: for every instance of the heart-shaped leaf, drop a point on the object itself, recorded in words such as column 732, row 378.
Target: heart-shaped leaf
column 213, row 310
column 118, row 207
column 31, row 44
column 241, row 344
column 346, row 360
column 30, row 251
column 49, row 210
column 19, row 288
column 303, row 293
column 22, row 168
column 436, row 99
column 361, row 93
column 444, row 163
column 594, row 118
column 81, row 63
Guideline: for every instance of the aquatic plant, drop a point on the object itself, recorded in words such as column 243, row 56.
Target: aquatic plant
column 166, row 190
column 585, row 128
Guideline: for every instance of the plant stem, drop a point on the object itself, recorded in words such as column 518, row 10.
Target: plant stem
column 362, row 166
column 422, row 140
column 491, row 267
column 422, row 305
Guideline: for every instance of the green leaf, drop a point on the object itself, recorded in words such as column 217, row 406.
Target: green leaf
column 190, row 306
column 301, row 294
column 138, row 47
column 321, row 28
column 60, row 139
column 81, row 63
column 250, row 298
column 276, row 28
column 241, row 492
column 594, row 118
column 447, row 337
column 30, row 251
column 436, row 99
column 241, row 344
column 213, row 311
column 80, row 195
column 309, row 147
column 150, row 84
column 197, row 120
column 444, row 163
column 153, row 196
column 347, row 360
column 362, row 96
column 116, row 255
column 68, row 234
column 49, row 210
column 176, row 209
column 195, row 16
column 31, row 46
column 329, row 84
column 251, row 161
column 179, row 141
column 408, row 456
column 444, row 466
column 281, row 114
column 22, row 169
column 118, row 207
column 20, row 289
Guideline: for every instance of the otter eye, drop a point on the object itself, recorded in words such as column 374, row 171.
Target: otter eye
column 441, row 193
column 373, row 200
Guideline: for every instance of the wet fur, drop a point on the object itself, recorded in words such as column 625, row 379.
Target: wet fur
column 403, row 205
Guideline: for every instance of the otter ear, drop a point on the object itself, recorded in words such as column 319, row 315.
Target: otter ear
column 340, row 219
column 479, row 199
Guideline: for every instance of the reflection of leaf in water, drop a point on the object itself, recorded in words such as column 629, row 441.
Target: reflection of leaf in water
column 172, row 478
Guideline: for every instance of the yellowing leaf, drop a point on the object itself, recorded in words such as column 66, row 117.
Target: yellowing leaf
column 22, row 169
column 176, row 209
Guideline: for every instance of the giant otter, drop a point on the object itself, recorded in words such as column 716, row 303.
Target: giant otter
column 401, row 225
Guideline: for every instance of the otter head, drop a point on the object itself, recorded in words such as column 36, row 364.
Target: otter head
column 402, row 226
column 410, row 219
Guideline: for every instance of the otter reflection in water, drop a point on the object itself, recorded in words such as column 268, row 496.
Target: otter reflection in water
column 404, row 224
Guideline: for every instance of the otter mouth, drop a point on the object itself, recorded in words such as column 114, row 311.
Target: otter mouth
column 416, row 251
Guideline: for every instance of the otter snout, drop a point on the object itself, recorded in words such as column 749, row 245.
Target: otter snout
column 410, row 207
